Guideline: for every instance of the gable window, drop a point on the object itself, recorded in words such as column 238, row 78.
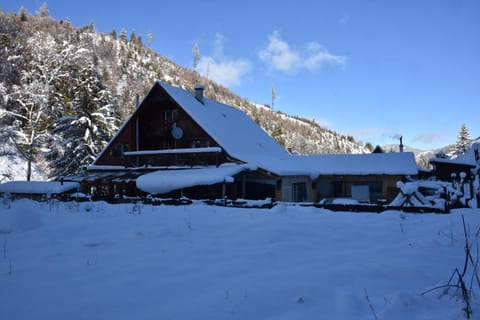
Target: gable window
column 117, row 150
column 174, row 114
column 170, row 115
column 200, row 144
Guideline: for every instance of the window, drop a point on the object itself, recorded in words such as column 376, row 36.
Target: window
column 117, row 150
column 169, row 115
column 299, row 192
column 174, row 115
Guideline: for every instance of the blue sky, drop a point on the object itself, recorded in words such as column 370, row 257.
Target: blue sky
column 372, row 69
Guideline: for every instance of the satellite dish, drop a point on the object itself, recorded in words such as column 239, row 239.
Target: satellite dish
column 177, row 132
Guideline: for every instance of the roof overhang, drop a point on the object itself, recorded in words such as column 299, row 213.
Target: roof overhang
column 164, row 181
column 38, row 187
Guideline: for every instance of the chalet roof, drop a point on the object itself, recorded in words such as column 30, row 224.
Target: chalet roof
column 163, row 181
column 235, row 131
column 392, row 163
column 38, row 187
column 246, row 141
column 468, row 159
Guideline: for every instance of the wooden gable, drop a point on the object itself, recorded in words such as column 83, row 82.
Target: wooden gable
column 443, row 170
column 160, row 134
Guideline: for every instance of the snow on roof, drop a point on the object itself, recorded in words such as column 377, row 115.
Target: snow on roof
column 394, row 163
column 235, row 131
column 163, row 181
column 467, row 159
column 244, row 140
column 38, row 187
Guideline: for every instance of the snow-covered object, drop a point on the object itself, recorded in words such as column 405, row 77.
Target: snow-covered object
column 164, row 181
column 407, row 188
column 230, row 127
column 241, row 138
column 339, row 201
column 38, row 187
column 465, row 159
column 393, row 163
column 473, row 203
column 173, row 151
column 476, row 183
column 410, row 195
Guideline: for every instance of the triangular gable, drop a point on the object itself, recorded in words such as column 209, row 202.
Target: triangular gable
column 235, row 132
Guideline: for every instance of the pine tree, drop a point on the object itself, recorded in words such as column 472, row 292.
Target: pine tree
column 113, row 34
column 463, row 140
column 123, row 35
column 86, row 128
column 23, row 14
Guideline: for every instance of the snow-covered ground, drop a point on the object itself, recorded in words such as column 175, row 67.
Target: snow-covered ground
column 102, row 261
column 14, row 167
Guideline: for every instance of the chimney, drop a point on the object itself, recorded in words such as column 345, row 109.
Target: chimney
column 401, row 144
column 199, row 92
column 137, row 100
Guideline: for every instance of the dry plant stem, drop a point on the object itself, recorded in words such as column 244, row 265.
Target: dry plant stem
column 370, row 305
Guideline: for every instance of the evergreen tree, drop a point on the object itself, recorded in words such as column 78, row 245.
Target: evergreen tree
column 123, row 35
column 463, row 140
column 23, row 14
column 113, row 34
column 86, row 128
column 133, row 37
column 369, row 146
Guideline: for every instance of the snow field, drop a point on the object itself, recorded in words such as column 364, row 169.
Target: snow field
column 100, row 261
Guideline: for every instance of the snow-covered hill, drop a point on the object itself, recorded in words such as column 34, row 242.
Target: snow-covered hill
column 422, row 156
column 102, row 261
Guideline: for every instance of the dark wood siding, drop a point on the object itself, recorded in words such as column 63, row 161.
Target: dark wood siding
column 154, row 122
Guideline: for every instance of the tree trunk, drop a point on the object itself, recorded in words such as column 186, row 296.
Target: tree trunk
column 29, row 162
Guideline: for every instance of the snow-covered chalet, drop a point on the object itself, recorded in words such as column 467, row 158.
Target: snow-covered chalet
column 445, row 168
column 180, row 143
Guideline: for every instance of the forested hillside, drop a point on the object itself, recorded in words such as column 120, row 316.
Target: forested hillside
column 65, row 90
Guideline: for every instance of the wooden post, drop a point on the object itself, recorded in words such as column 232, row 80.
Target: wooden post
column 243, row 186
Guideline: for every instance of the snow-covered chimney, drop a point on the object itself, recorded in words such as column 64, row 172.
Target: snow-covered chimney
column 401, row 144
column 199, row 88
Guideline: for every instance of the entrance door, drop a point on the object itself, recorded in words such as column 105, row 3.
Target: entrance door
column 299, row 192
